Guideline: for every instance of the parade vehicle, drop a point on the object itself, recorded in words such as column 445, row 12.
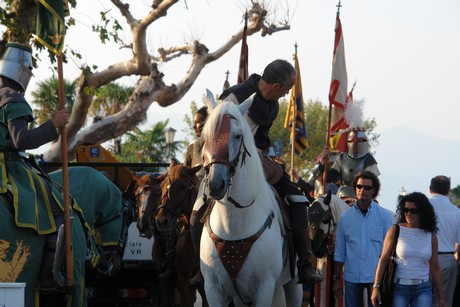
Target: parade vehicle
column 135, row 283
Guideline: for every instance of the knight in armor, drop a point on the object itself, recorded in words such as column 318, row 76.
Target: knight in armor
column 357, row 158
column 37, row 203
column 276, row 81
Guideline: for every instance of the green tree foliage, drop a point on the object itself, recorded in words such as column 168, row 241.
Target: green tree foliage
column 109, row 99
column 147, row 146
column 455, row 196
column 45, row 97
column 316, row 123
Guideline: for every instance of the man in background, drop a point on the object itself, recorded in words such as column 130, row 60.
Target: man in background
column 448, row 223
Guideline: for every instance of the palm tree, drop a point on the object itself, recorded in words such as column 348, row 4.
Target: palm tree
column 148, row 145
column 47, row 100
column 108, row 100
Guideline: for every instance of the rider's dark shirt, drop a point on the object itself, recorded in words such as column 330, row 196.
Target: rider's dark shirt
column 262, row 112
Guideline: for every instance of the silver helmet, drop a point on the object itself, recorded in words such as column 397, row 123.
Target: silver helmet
column 16, row 64
column 357, row 143
column 346, row 191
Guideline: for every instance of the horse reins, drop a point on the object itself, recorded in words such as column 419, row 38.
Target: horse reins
column 217, row 153
column 164, row 200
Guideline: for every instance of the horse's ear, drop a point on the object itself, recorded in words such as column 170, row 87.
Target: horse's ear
column 327, row 199
column 195, row 169
column 232, row 98
column 160, row 178
column 174, row 162
column 245, row 105
column 210, row 100
column 136, row 176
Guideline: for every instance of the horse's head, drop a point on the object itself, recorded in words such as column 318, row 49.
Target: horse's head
column 226, row 136
column 178, row 194
column 148, row 195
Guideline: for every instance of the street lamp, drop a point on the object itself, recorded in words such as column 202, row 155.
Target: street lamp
column 169, row 136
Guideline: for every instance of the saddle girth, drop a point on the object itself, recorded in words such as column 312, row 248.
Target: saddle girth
column 233, row 253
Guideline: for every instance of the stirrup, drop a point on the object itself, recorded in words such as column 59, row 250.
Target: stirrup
column 197, row 281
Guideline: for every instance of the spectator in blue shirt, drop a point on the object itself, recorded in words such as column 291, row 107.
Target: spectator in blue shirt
column 359, row 241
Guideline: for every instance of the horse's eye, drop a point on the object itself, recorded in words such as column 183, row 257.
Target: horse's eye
column 238, row 136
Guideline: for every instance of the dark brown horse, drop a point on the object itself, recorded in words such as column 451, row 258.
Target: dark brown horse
column 172, row 245
column 179, row 191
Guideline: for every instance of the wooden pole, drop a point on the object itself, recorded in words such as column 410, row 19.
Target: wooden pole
column 294, row 113
column 65, row 181
column 328, row 137
column 293, row 123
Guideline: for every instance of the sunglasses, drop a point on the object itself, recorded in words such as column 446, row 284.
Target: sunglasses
column 411, row 210
column 365, row 187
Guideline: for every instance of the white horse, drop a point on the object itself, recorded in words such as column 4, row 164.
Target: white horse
column 243, row 249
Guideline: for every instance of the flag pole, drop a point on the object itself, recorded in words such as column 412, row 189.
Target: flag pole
column 65, row 177
column 325, row 156
column 293, row 123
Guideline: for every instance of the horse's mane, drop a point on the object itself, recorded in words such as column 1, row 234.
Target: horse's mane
column 257, row 181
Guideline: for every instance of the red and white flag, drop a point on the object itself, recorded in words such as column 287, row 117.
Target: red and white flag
column 243, row 73
column 338, row 97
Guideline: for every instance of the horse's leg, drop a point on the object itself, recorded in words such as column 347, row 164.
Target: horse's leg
column 293, row 293
column 214, row 295
column 167, row 294
column 265, row 295
column 279, row 297
column 185, row 266
column 203, row 298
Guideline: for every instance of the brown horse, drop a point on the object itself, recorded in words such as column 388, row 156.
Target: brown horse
column 172, row 246
column 179, row 191
column 148, row 195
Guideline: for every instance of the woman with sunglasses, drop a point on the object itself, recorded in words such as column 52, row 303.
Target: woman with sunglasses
column 416, row 255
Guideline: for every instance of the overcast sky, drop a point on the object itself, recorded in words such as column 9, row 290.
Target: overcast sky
column 403, row 54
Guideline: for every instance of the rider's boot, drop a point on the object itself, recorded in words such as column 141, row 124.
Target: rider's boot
column 197, row 281
column 307, row 273
column 169, row 274
column 47, row 285
column 196, row 227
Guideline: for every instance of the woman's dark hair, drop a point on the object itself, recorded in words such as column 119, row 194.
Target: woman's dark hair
column 426, row 211
column 203, row 111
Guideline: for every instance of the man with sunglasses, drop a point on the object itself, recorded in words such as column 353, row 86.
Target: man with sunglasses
column 359, row 241
column 448, row 223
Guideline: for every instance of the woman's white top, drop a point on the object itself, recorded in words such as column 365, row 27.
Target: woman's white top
column 413, row 253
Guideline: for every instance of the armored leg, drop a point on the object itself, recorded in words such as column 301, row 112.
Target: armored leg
column 47, row 284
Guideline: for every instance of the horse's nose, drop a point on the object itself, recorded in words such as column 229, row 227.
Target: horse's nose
column 162, row 223
column 217, row 182
column 217, row 189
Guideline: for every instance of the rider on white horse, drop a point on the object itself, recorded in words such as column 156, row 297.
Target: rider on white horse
column 34, row 196
column 276, row 81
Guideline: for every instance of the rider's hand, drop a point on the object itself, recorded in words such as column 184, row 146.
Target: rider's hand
column 60, row 118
